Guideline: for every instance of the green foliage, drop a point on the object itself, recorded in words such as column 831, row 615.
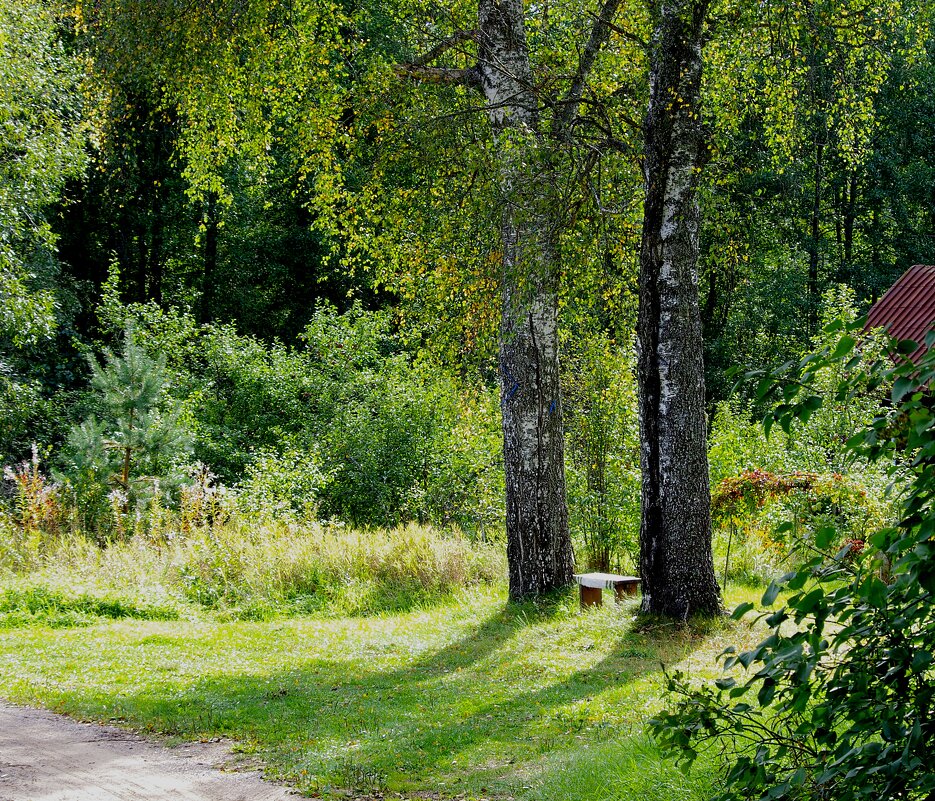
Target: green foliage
column 210, row 555
column 348, row 423
column 134, row 452
column 283, row 485
column 602, row 464
column 41, row 149
column 834, row 703
column 804, row 476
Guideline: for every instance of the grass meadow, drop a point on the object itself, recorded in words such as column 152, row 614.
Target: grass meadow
column 459, row 694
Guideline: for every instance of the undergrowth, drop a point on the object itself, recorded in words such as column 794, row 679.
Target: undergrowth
column 244, row 570
column 38, row 604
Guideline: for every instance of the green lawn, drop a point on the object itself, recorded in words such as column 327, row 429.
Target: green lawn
column 474, row 696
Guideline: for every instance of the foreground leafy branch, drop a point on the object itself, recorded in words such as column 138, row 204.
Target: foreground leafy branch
column 837, row 701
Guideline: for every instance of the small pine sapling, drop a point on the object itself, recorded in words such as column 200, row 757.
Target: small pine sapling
column 136, row 445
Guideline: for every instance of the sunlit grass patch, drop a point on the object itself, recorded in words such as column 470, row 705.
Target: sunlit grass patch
column 623, row 770
column 26, row 604
column 473, row 695
column 251, row 571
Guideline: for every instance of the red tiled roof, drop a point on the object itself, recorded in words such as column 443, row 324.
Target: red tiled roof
column 907, row 310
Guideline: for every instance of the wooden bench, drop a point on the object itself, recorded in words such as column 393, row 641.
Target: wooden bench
column 592, row 586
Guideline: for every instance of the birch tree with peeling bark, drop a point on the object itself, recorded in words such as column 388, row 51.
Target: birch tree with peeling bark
column 538, row 543
column 676, row 562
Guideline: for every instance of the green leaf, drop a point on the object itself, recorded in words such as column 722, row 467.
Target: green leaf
column 808, row 406
column 824, row 537
column 763, row 387
column 809, row 601
column 741, row 610
column 772, row 592
column 902, row 387
column 921, row 660
column 845, row 345
column 768, row 421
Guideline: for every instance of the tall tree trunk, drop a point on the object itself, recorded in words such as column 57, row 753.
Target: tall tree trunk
column 850, row 216
column 676, row 562
column 538, row 543
column 814, row 238
column 212, row 224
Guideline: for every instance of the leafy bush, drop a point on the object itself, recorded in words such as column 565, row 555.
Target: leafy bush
column 348, row 423
column 283, row 485
column 804, row 475
column 836, row 702
column 602, row 468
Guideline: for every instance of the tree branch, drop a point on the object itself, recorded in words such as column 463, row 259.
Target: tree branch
column 443, row 47
column 600, row 33
column 629, row 36
column 441, row 75
column 419, row 70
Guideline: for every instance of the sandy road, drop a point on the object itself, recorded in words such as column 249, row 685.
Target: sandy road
column 48, row 757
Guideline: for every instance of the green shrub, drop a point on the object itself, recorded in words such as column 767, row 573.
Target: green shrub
column 131, row 454
column 347, row 423
column 835, row 703
column 283, row 485
column 602, row 465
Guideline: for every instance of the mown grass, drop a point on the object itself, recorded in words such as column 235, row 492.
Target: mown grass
column 472, row 696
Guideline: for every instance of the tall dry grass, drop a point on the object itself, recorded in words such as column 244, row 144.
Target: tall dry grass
column 248, row 569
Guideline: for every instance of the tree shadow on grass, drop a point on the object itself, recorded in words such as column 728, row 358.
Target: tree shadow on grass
column 459, row 715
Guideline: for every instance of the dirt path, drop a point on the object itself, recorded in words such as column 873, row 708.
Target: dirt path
column 48, row 757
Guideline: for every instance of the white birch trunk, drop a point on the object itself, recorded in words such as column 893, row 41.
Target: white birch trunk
column 538, row 543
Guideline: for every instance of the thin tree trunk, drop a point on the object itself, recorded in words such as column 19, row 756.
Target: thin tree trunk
column 850, row 215
column 814, row 238
column 538, row 542
column 212, row 223
column 676, row 562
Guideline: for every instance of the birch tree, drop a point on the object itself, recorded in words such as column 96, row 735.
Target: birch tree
column 676, row 562
column 538, row 542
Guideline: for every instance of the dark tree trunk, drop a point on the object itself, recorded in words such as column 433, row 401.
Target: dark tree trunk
column 814, row 238
column 538, row 543
column 212, row 223
column 850, row 215
column 676, row 562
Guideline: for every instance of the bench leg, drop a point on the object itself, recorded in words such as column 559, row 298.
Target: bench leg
column 591, row 596
column 624, row 591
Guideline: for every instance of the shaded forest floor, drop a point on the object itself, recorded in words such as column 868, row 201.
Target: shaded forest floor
column 474, row 697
